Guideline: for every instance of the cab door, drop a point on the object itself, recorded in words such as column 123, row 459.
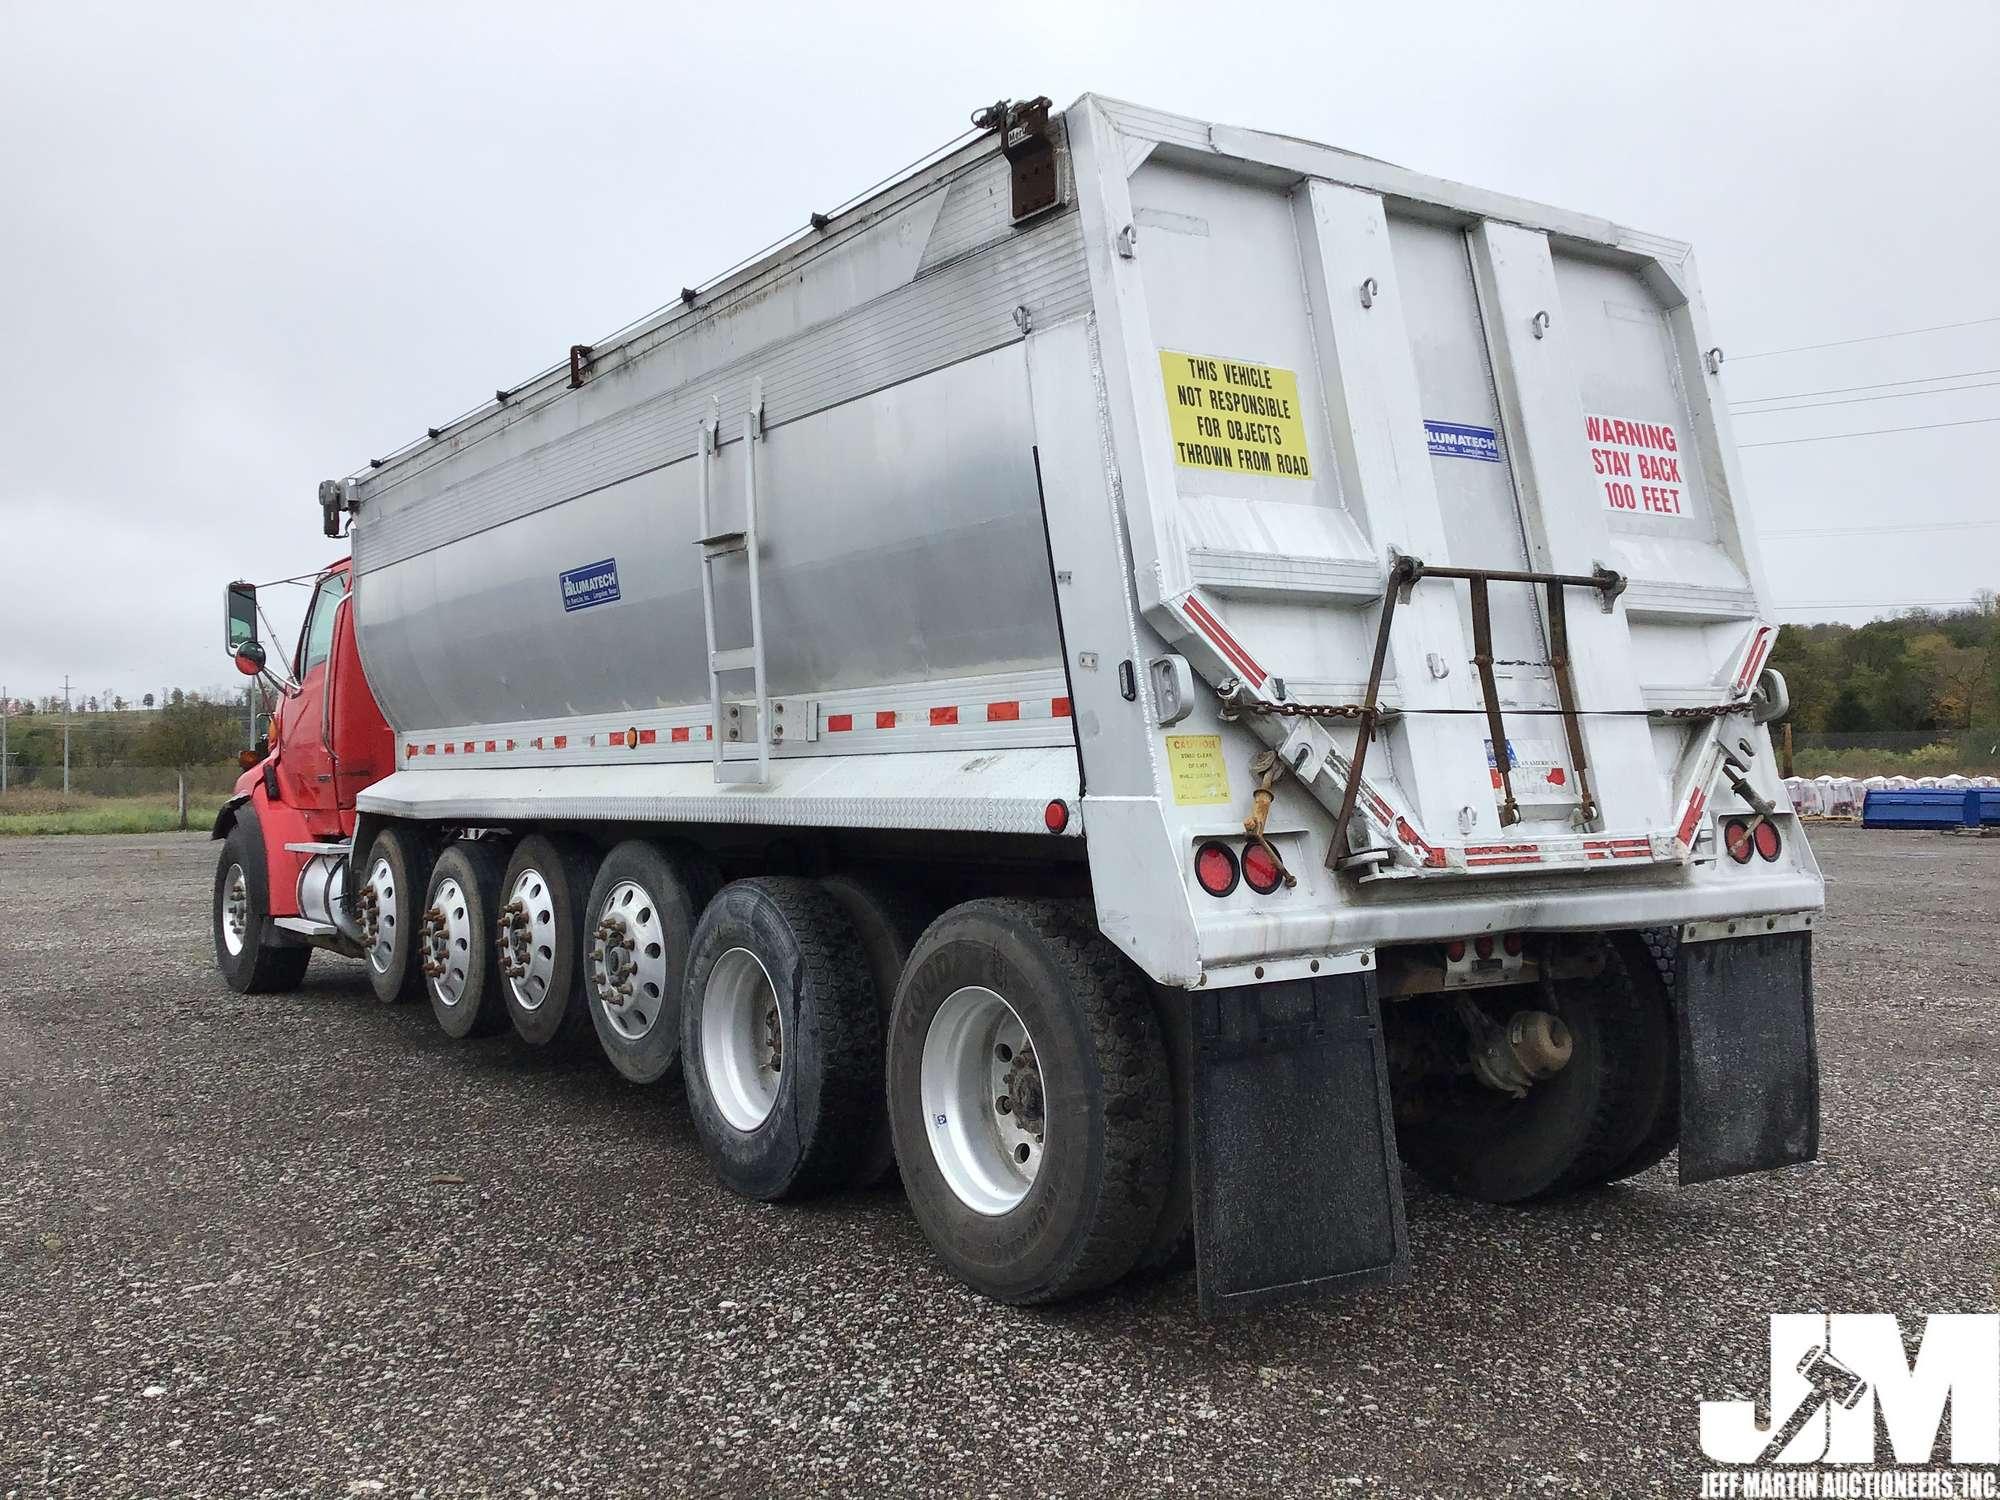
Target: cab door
column 305, row 766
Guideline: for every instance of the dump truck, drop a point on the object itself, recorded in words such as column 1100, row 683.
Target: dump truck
column 1143, row 677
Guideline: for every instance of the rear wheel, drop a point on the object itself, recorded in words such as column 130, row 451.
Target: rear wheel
column 250, row 961
column 540, row 936
column 1649, row 958
column 781, row 1040
column 641, row 915
column 888, row 922
column 1031, row 1101
column 1571, row 1130
column 460, row 968
column 395, row 873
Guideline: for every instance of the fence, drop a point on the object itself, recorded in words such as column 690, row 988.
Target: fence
column 120, row 779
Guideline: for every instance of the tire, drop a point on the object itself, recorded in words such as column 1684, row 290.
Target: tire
column 396, row 868
column 540, row 937
column 653, row 894
column 460, row 965
column 1093, row 1117
column 781, row 1040
column 252, row 963
column 1649, row 958
column 888, row 921
column 1572, row 1131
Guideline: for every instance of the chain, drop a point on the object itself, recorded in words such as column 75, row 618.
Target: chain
column 1237, row 702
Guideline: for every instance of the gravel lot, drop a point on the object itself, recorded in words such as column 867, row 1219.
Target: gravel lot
column 306, row 1245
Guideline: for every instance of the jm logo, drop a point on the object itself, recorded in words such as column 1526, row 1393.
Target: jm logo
column 1832, row 1376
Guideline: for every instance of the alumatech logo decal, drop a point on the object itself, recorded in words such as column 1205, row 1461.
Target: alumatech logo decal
column 593, row 583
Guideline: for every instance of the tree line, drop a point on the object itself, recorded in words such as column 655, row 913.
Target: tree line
column 186, row 731
column 1924, row 670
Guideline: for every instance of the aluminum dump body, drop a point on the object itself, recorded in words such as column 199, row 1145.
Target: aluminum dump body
column 1083, row 466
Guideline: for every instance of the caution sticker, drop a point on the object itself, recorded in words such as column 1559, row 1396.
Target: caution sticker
column 1199, row 773
column 1638, row 465
column 1238, row 417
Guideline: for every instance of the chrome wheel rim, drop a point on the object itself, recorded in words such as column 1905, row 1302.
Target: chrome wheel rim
column 378, row 904
column 981, row 1086
column 628, row 962
column 742, row 1039
column 235, row 910
column 527, row 940
column 447, row 940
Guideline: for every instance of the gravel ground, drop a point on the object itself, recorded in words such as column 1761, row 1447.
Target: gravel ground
column 306, row 1245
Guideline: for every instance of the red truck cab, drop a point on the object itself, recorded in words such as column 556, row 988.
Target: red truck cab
column 327, row 740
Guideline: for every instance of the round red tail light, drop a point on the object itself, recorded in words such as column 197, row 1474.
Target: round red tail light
column 1215, row 868
column 1455, row 950
column 1736, row 839
column 1483, row 945
column 1261, row 872
column 1512, row 943
column 1056, row 815
column 1766, row 839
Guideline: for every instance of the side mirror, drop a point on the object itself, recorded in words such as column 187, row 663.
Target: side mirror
column 240, row 619
column 250, row 658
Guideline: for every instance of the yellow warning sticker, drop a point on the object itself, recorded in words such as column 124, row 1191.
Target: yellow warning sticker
column 1196, row 765
column 1238, row 417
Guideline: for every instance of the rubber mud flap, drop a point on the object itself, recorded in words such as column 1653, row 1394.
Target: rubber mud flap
column 1297, row 1186
column 1749, row 1061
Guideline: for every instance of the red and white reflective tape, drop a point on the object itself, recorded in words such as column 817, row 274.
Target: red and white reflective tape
column 942, row 716
column 1754, row 658
column 1233, row 652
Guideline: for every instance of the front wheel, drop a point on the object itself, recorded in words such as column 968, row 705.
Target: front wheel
column 1031, row 1101
column 251, row 963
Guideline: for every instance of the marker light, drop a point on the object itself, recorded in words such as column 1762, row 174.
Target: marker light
column 1215, row 868
column 1766, row 840
column 1056, row 815
column 1261, row 872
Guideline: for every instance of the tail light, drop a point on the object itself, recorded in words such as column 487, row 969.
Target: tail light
column 1767, row 841
column 1215, row 868
column 1511, row 943
column 1455, row 950
column 1261, row 872
column 1737, row 840
column 1483, row 945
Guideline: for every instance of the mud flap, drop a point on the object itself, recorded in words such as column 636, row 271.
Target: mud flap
column 1749, row 1061
column 1297, row 1186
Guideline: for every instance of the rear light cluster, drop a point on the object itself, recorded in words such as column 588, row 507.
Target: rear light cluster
column 1218, row 868
column 1741, row 840
column 1484, row 946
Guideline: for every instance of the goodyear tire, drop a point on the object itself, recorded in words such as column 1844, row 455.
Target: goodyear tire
column 393, row 876
column 1031, row 1100
column 541, row 935
column 246, row 951
column 639, row 921
column 460, row 968
column 888, row 923
column 781, row 1040
column 1572, row 1131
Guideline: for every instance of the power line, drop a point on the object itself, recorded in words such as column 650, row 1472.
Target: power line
column 1765, row 536
column 1943, row 390
column 1870, row 338
column 1879, row 604
column 1873, row 385
column 1828, row 437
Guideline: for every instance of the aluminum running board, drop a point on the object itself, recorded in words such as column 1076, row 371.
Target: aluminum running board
column 742, row 769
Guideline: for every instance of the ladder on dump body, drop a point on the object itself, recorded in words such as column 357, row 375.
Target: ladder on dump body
column 715, row 544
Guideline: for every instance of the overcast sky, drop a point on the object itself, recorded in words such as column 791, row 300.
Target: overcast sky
column 246, row 248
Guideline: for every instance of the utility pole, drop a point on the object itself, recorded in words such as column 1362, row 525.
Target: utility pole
column 4, row 706
column 65, row 734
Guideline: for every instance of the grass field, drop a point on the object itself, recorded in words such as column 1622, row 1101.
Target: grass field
column 36, row 811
